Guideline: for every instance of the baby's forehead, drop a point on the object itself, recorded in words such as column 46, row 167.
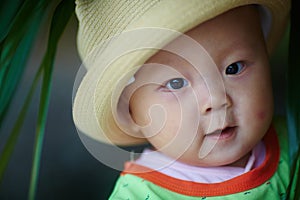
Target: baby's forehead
column 166, row 65
column 167, row 58
column 219, row 42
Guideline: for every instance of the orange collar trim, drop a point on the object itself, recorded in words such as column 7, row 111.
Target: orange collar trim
column 241, row 183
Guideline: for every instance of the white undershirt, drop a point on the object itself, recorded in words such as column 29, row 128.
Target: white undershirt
column 168, row 166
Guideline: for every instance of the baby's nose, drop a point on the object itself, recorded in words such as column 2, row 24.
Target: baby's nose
column 216, row 102
column 213, row 98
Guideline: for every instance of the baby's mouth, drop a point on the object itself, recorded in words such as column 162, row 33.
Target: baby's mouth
column 224, row 133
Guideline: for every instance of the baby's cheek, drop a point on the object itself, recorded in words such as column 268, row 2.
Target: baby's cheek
column 261, row 115
column 264, row 117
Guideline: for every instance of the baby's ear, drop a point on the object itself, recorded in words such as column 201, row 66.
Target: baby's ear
column 123, row 118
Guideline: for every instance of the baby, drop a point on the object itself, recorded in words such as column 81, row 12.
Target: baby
column 207, row 112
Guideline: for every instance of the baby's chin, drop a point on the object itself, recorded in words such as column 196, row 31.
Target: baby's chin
column 214, row 162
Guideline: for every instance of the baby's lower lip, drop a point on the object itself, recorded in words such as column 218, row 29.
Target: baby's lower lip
column 225, row 134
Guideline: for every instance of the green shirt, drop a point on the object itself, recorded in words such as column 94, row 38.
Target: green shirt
column 268, row 181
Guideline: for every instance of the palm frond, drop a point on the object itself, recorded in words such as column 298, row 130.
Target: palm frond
column 19, row 27
column 19, row 33
column 8, row 11
column 16, row 45
column 61, row 16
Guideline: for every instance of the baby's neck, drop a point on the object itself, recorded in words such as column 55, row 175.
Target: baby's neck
column 241, row 162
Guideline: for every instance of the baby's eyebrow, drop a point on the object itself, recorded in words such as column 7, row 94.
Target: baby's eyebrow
column 236, row 51
column 166, row 58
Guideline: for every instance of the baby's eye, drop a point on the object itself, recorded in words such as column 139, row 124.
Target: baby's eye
column 176, row 83
column 234, row 68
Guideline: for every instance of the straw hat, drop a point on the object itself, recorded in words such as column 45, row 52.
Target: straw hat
column 116, row 37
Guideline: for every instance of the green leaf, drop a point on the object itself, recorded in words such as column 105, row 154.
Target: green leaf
column 20, row 26
column 61, row 16
column 293, row 102
column 293, row 98
column 19, row 32
column 8, row 11
column 16, row 46
column 12, row 140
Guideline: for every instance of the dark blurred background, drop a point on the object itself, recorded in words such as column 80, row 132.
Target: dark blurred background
column 68, row 170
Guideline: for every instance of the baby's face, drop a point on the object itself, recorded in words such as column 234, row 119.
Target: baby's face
column 183, row 108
